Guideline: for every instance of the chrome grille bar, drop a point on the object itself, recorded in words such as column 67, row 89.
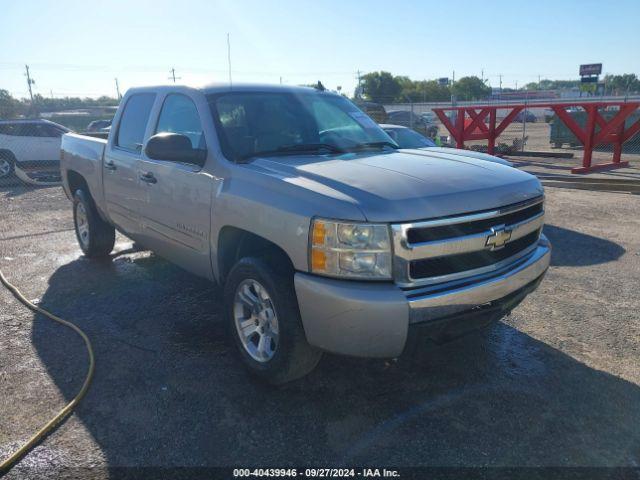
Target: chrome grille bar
column 469, row 243
column 406, row 252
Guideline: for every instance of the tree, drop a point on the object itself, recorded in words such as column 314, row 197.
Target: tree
column 381, row 87
column 425, row 91
column 470, row 88
column 622, row 84
column 9, row 106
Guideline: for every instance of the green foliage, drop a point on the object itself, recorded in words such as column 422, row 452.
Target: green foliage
column 425, row 91
column 547, row 84
column 45, row 104
column 470, row 88
column 381, row 87
column 622, row 84
column 11, row 107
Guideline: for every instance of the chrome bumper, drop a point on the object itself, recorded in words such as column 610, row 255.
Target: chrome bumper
column 434, row 304
column 366, row 319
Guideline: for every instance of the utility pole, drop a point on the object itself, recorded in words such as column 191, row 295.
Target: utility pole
column 538, row 82
column 500, row 77
column 229, row 57
column 30, row 81
column 173, row 75
column 482, row 75
column 453, row 81
column 118, row 89
column 359, row 88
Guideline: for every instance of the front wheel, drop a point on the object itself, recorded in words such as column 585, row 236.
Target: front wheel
column 264, row 320
column 95, row 236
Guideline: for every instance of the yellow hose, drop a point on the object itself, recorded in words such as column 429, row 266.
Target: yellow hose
column 55, row 421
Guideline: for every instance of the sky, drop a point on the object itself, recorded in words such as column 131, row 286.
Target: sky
column 79, row 48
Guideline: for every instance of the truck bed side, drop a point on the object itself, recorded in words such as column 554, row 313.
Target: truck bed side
column 81, row 157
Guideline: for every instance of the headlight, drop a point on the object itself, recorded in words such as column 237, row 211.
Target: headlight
column 350, row 250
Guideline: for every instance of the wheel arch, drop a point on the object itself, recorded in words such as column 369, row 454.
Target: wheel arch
column 8, row 154
column 235, row 243
column 76, row 181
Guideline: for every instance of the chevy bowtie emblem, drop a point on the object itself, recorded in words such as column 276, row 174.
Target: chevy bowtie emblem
column 499, row 236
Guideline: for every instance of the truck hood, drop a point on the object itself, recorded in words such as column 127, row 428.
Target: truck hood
column 405, row 185
column 471, row 154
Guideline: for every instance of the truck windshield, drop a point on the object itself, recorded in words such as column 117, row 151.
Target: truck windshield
column 251, row 124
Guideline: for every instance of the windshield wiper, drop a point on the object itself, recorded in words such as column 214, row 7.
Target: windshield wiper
column 382, row 144
column 309, row 147
column 296, row 148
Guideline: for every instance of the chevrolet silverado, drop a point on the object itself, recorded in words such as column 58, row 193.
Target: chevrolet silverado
column 324, row 235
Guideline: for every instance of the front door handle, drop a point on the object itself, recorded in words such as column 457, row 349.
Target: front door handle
column 110, row 166
column 148, row 177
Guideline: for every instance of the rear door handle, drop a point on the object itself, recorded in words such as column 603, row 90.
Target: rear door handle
column 110, row 166
column 148, row 177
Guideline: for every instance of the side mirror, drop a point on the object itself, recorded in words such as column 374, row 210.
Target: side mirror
column 174, row 147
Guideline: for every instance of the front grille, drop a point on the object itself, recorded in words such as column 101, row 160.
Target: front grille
column 451, row 264
column 418, row 235
column 451, row 248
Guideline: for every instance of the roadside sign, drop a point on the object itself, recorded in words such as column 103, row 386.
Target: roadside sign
column 591, row 69
column 589, row 79
column 443, row 81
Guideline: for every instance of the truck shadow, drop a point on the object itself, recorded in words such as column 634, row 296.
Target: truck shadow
column 574, row 249
column 168, row 390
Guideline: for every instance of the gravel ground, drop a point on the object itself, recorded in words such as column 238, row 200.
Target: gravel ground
column 555, row 384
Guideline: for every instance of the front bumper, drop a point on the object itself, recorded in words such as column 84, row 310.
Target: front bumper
column 372, row 319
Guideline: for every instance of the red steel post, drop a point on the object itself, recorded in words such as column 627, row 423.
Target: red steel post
column 491, row 145
column 610, row 131
column 617, row 143
column 590, row 129
column 460, row 128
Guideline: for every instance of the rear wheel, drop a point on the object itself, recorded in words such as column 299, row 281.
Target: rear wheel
column 95, row 236
column 264, row 320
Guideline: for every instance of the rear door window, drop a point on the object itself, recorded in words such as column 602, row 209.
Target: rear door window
column 133, row 122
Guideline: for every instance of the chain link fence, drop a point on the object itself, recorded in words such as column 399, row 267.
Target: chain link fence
column 30, row 148
column 535, row 132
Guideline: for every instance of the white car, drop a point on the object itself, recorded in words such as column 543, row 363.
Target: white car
column 30, row 150
column 407, row 138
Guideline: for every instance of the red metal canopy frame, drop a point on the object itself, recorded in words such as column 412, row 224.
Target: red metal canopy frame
column 484, row 126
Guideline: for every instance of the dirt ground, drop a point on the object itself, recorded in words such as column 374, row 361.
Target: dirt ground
column 555, row 384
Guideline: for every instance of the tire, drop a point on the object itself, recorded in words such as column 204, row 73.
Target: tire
column 7, row 166
column 95, row 236
column 289, row 356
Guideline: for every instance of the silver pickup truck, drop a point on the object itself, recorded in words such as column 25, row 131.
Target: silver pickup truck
column 324, row 235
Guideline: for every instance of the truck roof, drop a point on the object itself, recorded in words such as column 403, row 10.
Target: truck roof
column 225, row 88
